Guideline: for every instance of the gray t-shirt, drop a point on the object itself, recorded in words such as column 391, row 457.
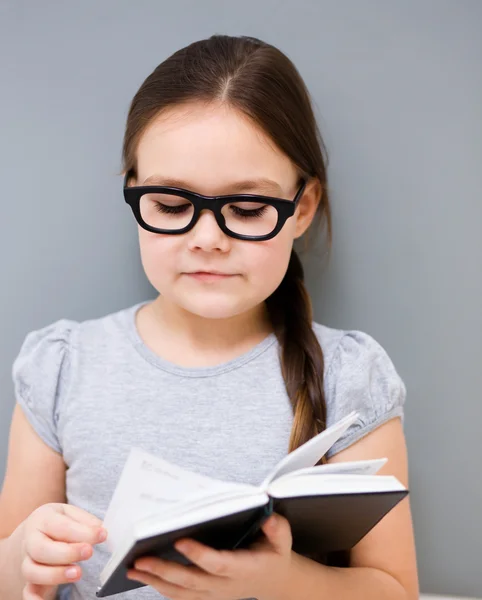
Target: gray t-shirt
column 93, row 389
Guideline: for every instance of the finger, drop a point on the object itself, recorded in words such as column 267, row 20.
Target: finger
column 65, row 529
column 278, row 531
column 39, row 574
column 169, row 590
column 216, row 562
column 80, row 515
column 42, row 549
column 188, row 577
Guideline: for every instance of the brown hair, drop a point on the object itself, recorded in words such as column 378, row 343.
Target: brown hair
column 260, row 81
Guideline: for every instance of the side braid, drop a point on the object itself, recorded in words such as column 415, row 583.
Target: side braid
column 302, row 361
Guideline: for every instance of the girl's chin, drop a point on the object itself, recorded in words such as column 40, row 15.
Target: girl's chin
column 213, row 313
column 214, row 309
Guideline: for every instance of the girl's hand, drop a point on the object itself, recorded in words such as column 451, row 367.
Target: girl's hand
column 258, row 572
column 54, row 537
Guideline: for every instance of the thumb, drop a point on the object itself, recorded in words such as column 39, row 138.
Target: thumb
column 278, row 531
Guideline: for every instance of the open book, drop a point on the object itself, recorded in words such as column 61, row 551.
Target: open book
column 330, row 507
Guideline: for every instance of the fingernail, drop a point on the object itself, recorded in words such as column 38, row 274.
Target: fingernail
column 102, row 535
column 85, row 552
column 133, row 575
column 71, row 572
column 183, row 546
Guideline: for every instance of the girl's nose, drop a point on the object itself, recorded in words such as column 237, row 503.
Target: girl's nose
column 207, row 235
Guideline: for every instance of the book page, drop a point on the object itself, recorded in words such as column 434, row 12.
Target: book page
column 333, row 484
column 150, row 485
column 353, row 467
column 310, row 453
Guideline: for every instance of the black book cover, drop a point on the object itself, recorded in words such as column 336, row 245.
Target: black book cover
column 319, row 524
column 225, row 533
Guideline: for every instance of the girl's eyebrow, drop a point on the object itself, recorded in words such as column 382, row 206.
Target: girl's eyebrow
column 261, row 184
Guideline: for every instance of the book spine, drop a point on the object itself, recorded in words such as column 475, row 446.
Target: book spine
column 253, row 531
column 269, row 508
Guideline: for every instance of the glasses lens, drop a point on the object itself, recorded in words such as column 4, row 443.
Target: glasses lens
column 165, row 211
column 250, row 218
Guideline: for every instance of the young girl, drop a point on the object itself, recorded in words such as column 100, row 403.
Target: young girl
column 224, row 372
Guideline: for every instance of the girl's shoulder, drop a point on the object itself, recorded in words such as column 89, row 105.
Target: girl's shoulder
column 41, row 371
column 53, row 344
column 345, row 347
column 358, row 375
column 55, row 341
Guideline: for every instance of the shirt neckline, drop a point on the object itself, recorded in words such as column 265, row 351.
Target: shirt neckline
column 175, row 369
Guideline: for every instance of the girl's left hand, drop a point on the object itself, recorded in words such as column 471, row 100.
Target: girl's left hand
column 258, row 572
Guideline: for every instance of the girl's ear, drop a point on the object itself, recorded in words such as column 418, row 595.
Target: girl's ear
column 307, row 206
column 130, row 180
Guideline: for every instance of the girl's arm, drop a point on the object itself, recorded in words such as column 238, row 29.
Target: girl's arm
column 35, row 475
column 383, row 563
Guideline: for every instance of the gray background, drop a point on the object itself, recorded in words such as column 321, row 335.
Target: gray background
column 398, row 93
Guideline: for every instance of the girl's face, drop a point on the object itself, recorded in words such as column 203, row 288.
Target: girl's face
column 211, row 150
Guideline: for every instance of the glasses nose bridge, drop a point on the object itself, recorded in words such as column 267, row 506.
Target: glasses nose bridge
column 207, row 203
column 211, row 204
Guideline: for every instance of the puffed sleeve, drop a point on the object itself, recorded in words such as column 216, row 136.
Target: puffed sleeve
column 362, row 377
column 40, row 375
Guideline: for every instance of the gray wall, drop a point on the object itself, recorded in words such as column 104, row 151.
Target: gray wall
column 398, row 89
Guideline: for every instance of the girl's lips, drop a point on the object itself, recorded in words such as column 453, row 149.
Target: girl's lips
column 207, row 276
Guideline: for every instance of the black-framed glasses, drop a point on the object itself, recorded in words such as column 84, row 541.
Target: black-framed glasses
column 172, row 210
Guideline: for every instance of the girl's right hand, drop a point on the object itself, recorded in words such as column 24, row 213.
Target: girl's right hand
column 54, row 537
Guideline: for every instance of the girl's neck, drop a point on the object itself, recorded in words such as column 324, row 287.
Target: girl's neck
column 189, row 340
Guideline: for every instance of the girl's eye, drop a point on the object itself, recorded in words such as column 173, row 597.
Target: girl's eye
column 248, row 213
column 165, row 211
column 172, row 210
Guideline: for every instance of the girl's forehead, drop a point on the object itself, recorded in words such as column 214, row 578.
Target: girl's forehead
column 206, row 128
column 187, row 142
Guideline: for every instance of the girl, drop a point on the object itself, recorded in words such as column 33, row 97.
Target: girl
column 224, row 372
